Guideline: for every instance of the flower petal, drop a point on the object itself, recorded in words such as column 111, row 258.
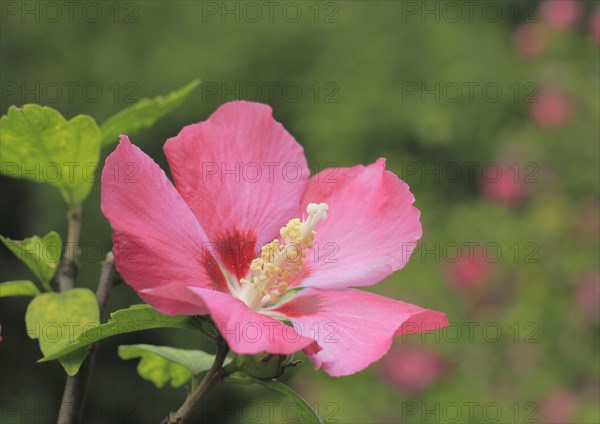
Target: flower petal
column 371, row 230
column 242, row 174
column 156, row 237
column 354, row 328
column 246, row 331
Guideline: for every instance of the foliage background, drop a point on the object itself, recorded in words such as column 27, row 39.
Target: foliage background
column 371, row 58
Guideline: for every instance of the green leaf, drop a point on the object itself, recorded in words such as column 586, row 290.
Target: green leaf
column 155, row 368
column 38, row 144
column 18, row 288
column 56, row 319
column 196, row 361
column 160, row 364
column 135, row 318
column 41, row 255
column 307, row 413
column 143, row 114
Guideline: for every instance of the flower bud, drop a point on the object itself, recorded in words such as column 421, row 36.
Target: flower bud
column 263, row 365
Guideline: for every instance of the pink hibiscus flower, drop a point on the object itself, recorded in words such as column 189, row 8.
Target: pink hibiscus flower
column 506, row 187
column 587, row 295
column 529, row 40
column 595, row 26
column 470, row 272
column 561, row 14
column 248, row 238
column 413, row 369
column 552, row 108
column 559, row 407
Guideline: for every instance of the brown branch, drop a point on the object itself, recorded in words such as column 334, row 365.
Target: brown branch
column 67, row 272
column 212, row 376
column 105, row 284
column 76, row 387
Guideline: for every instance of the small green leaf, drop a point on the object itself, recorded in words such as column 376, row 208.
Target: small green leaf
column 41, row 255
column 40, row 145
column 307, row 414
column 135, row 318
column 143, row 114
column 156, row 368
column 160, row 364
column 18, row 288
column 56, row 319
column 196, row 361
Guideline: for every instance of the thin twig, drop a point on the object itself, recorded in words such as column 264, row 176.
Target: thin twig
column 105, row 284
column 212, row 376
column 66, row 275
column 77, row 386
column 67, row 272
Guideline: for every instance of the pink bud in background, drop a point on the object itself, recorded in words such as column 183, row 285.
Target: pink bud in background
column 587, row 295
column 529, row 40
column 595, row 26
column 561, row 14
column 558, row 407
column 412, row 369
column 553, row 108
column 470, row 271
column 506, row 186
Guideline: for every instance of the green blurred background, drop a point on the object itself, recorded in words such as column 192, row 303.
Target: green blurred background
column 450, row 93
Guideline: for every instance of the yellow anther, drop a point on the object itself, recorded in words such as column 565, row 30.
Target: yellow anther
column 271, row 269
column 256, row 265
column 292, row 231
column 293, row 252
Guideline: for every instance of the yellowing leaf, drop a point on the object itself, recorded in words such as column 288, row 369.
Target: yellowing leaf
column 38, row 144
column 41, row 255
column 159, row 364
column 56, row 319
column 135, row 318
